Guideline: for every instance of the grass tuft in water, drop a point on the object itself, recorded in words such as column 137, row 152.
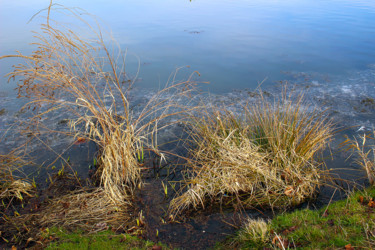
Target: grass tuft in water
column 264, row 157
column 85, row 77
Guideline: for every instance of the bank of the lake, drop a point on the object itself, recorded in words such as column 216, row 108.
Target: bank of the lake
column 349, row 223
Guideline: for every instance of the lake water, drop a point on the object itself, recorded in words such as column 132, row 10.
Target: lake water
column 233, row 44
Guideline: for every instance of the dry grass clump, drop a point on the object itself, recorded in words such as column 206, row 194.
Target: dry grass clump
column 90, row 210
column 85, row 209
column 265, row 157
column 255, row 231
column 86, row 79
column 365, row 153
column 12, row 186
column 16, row 188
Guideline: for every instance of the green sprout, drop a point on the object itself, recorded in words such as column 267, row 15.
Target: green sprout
column 165, row 188
column 140, row 156
column 33, row 183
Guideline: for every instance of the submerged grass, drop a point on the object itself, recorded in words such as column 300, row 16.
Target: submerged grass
column 264, row 157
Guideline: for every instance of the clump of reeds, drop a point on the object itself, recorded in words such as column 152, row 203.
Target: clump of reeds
column 365, row 151
column 86, row 78
column 264, row 157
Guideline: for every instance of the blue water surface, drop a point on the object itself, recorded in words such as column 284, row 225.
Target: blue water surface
column 233, row 44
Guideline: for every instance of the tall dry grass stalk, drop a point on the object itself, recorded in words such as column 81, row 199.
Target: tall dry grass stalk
column 86, row 78
column 365, row 153
column 265, row 157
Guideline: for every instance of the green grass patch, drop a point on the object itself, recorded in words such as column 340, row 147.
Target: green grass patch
column 100, row 240
column 350, row 221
